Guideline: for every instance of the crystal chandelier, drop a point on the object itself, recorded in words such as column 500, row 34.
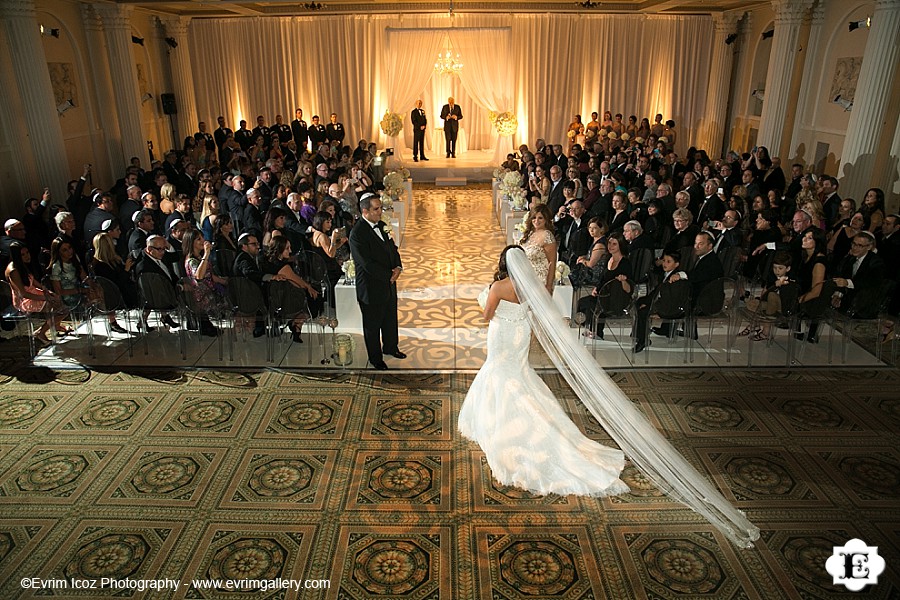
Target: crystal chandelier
column 447, row 63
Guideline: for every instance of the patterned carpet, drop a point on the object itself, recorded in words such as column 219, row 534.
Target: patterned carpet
column 365, row 483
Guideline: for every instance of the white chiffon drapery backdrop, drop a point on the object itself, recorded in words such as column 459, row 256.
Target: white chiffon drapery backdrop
column 556, row 66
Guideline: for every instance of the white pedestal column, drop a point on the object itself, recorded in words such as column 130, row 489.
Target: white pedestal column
column 785, row 44
column 183, row 78
column 117, row 26
column 876, row 79
column 106, row 103
column 29, row 64
column 719, row 83
column 809, row 89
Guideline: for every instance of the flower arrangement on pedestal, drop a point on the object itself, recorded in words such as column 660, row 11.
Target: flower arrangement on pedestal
column 506, row 123
column 391, row 124
column 522, row 225
column 393, row 187
column 512, row 190
column 562, row 271
column 499, row 172
column 349, row 269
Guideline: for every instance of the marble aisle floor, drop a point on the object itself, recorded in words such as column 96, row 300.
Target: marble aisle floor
column 451, row 243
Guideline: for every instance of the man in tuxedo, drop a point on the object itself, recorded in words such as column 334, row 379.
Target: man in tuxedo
column 569, row 221
column 283, row 131
column 378, row 267
column 246, row 264
column 335, row 132
column 252, row 216
column 300, row 131
column 707, row 268
column 263, row 130
column 832, row 202
column 555, row 198
column 451, row 113
column 243, row 136
column 634, row 234
column 317, row 133
column 156, row 259
column 859, row 278
column 104, row 210
column 204, row 137
column 729, row 232
column 144, row 228
column 711, row 208
column 794, row 186
column 420, row 122
column 221, row 134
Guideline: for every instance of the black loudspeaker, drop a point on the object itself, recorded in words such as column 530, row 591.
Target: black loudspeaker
column 168, row 104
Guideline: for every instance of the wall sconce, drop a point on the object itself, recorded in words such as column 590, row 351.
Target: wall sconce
column 171, row 42
column 46, row 31
column 867, row 22
column 847, row 105
column 64, row 106
column 146, row 97
column 137, row 40
column 730, row 39
column 767, row 34
column 759, row 95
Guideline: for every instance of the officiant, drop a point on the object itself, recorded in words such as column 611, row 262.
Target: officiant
column 420, row 122
column 451, row 113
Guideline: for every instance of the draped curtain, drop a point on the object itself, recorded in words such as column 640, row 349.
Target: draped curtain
column 556, row 66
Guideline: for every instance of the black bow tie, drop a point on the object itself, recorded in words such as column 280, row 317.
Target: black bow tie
column 379, row 225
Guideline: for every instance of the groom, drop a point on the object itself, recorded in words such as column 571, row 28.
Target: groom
column 451, row 113
column 378, row 267
column 420, row 122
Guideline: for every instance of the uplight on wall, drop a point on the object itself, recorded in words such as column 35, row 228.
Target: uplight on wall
column 759, row 95
column 847, row 105
column 854, row 25
column 146, row 98
column 64, row 106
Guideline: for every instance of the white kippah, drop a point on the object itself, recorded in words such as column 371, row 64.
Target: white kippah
column 10, row 222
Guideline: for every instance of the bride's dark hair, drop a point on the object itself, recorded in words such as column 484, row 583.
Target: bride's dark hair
column 502, row 272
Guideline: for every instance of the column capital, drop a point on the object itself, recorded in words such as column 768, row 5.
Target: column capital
column 817, row 14
column 887, row 5
column 17, row 9
column 725, row 22
column 90, row 17
column 115, row 16
column 790, row 11
column 176, row 26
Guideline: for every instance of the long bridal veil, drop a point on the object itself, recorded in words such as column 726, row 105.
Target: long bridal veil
column 640, row 441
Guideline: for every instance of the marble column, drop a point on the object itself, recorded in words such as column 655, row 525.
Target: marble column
column 870, row 106
column 123, row 71
column 891, row 176
column 29, row 65
column 809, row 88
column 183, row 77
column 719, row 83
column 788, row 20
column 106, row 104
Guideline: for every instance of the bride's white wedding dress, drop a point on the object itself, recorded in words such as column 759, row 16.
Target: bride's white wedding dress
column 528, row 439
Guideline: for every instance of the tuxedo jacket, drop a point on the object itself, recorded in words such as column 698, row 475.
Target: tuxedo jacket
column 868, row 278
column 555, row 199
column 641, row 241
column 317, row 135
column 705, row 270
column 247, row 266
column 730, row 238
column 711, row 209
column 451, row 125
column 375, row 261
column 221, row 134
column 566, row 226
column 148, row 265
column 300, row 132
column 418, row 118
column 335, row 132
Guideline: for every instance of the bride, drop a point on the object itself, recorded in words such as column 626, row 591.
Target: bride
column 526, row 436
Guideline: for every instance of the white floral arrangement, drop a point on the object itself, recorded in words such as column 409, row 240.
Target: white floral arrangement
column 602, row 133
column 590, row 134
column 391, row 123
column 506, row 123
column 387, row 203
column 512, row 179
column 517, row 199
column 522, row 225
column 612, row 135
column 625, row 137
column 639, row 140
column 663, row 139
column 511, row 189
column 393, row 185
column 499, row 172
column 562, row 270
column 570, row 134
column 349, row 269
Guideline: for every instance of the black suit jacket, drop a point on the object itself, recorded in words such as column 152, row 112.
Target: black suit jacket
column 705, row 270
column 335, row 132
column 375, row 260
column 246, row 266
column 711, row 209
column 641, row 241
column 418, row 118
column 566, row 227
column 148, row 265
column 451, row 125
column 300, row 131
column 865, row 295
column 555, row 198
column 252, row 221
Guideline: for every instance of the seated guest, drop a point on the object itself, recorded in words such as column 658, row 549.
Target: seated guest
column 768, row 304
column 156, row 259
column 106, row 263
column 858, row 279
column 685, row 231
column 29, row 296
column 144, row 228
column 840, row 243
column 252, row 216
column 326, row 240
column 182, row 211
column 571, row 231
column 247, row 265
column 671, row 265
column 209, row 290
column 619, row 214
column 208, row 216
column 69, row 278
column 280, row 264
column 104, row 208
column 588, row 268
column 617, row 267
